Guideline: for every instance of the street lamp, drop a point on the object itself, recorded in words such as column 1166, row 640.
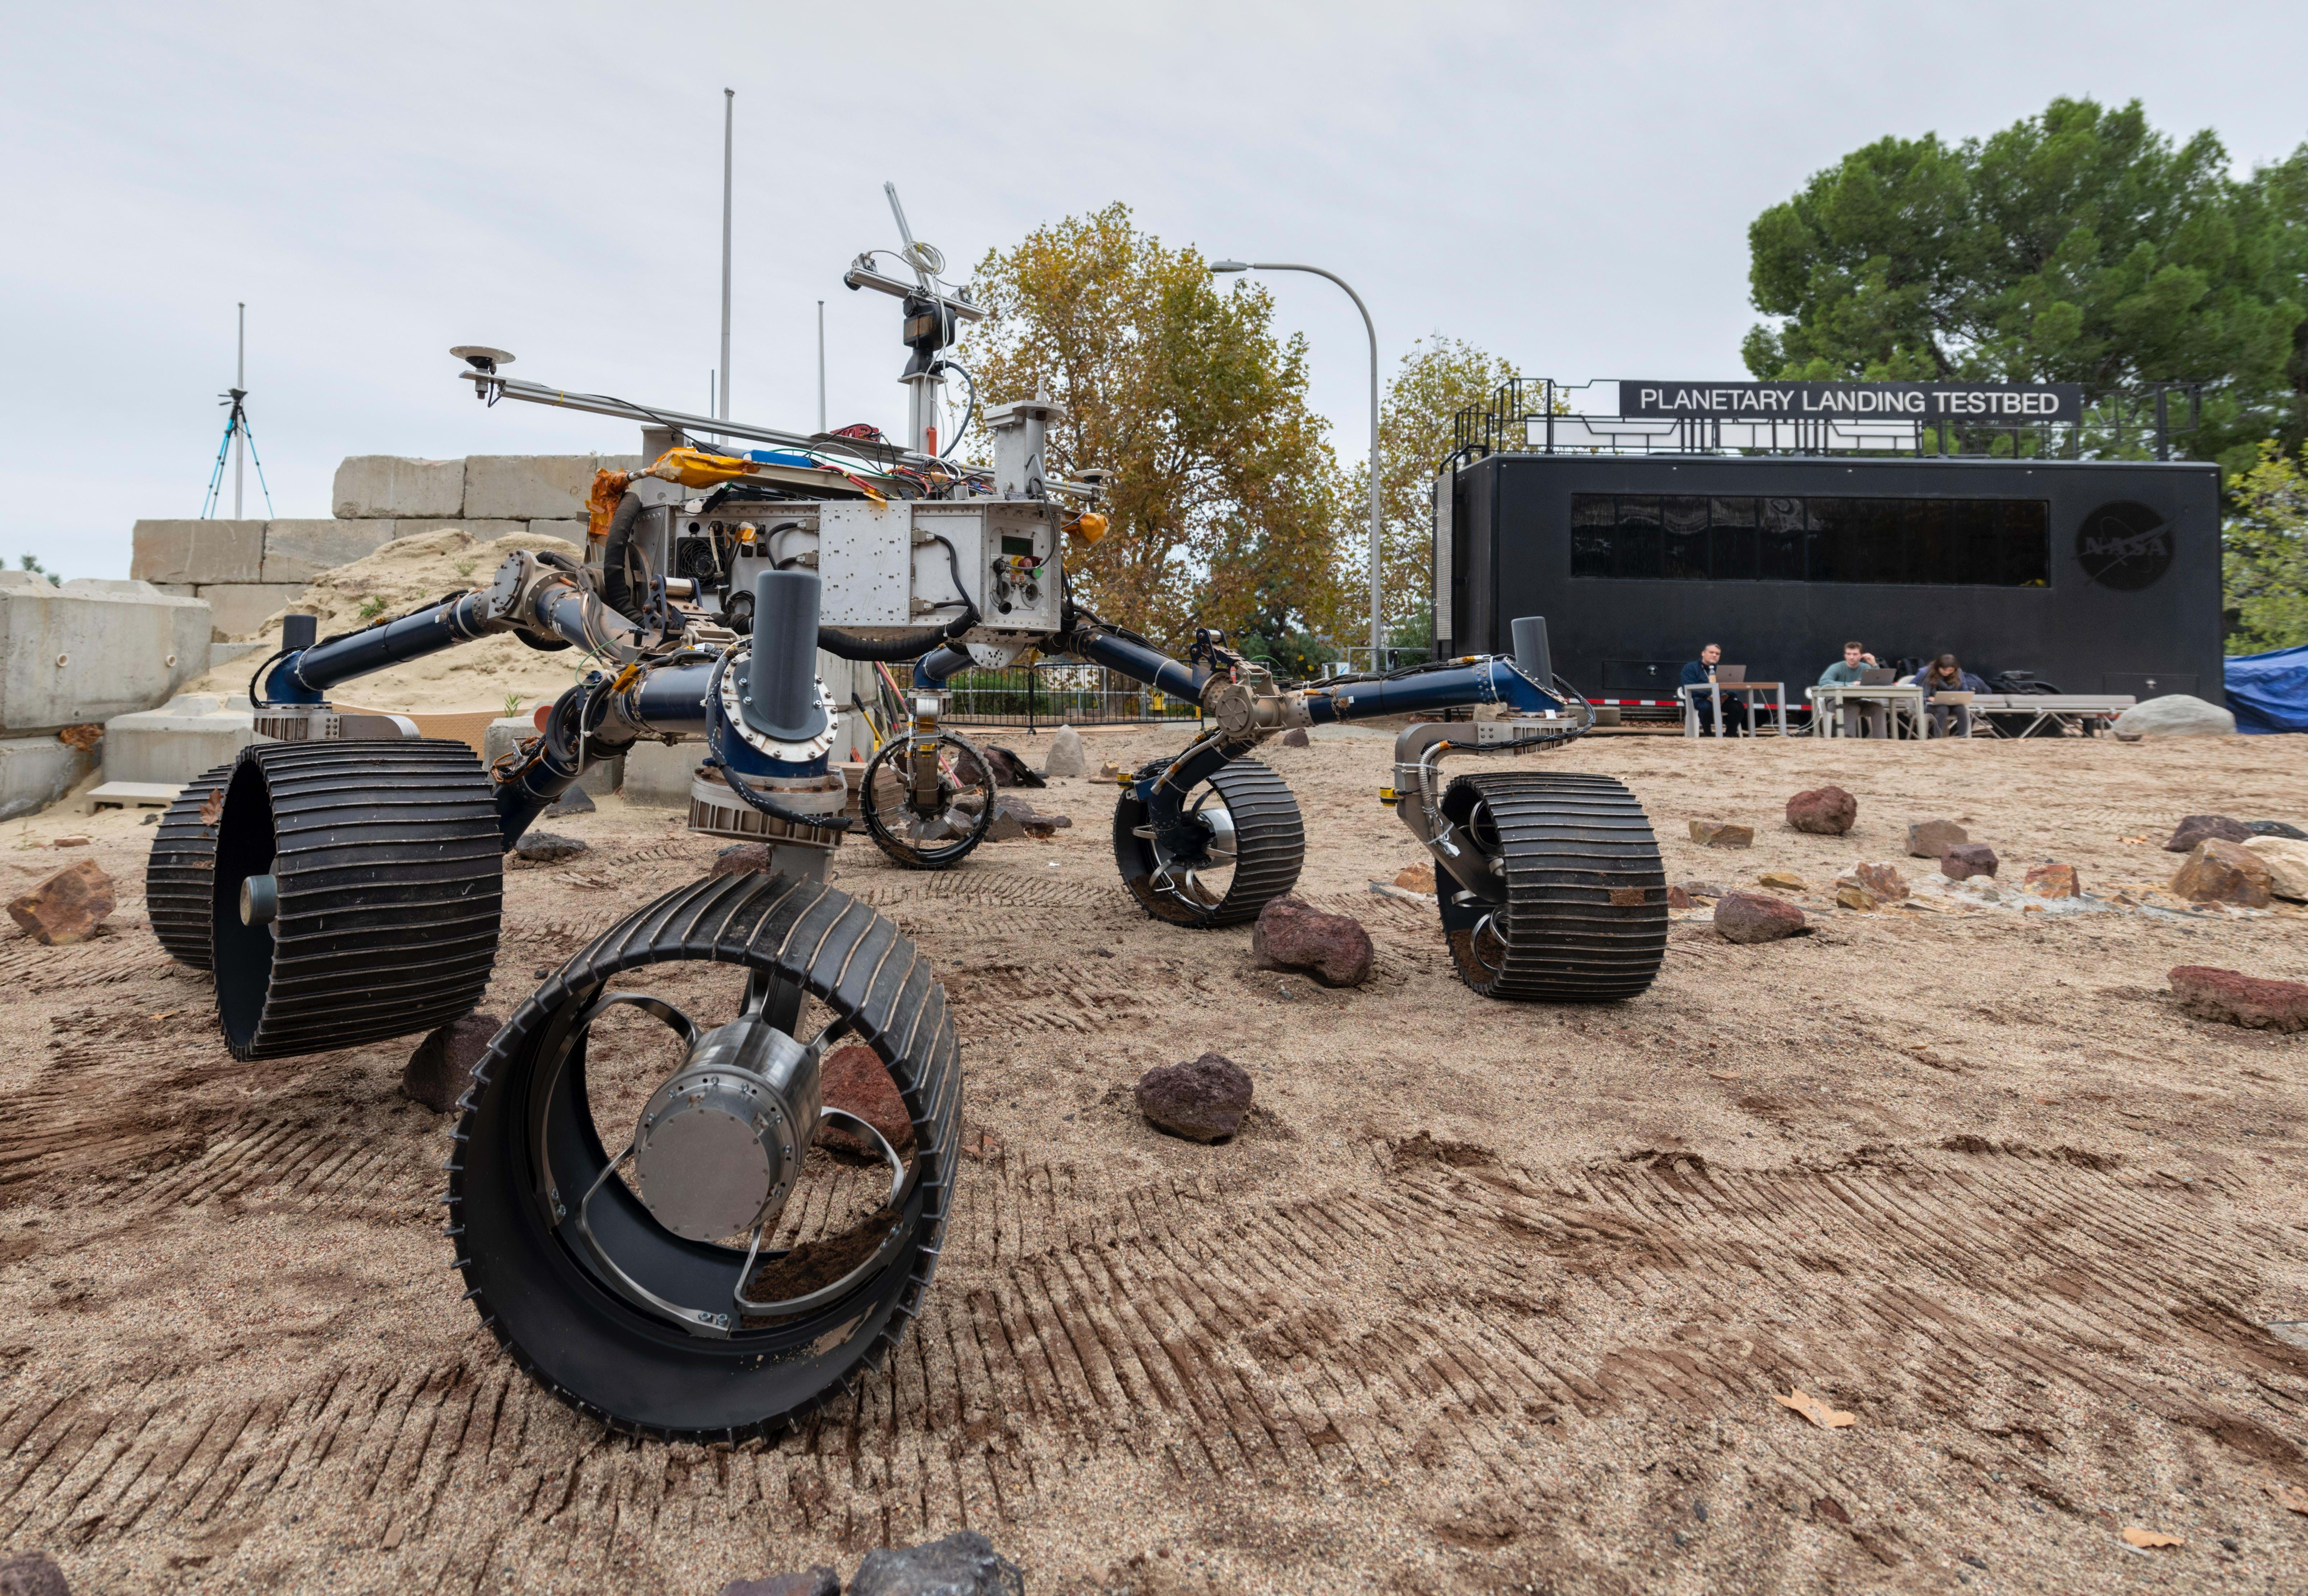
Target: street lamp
column 1378, row 626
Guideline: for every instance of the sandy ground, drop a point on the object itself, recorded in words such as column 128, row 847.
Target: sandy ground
column 1483, row 1298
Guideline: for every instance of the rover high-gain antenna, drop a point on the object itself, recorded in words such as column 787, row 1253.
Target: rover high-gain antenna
column 237, row 437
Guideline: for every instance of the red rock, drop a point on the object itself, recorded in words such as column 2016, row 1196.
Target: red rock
column 1291, row 935
column 740, row 858
column 853, row 1078
column 1827, row 810
column 2054, row 881
column 2195, row 828
column 66, row 907
column 1721, row 834
column 1756, row 916
column 1676, row 898
column 441, row 1067
column 1884, row 882
column 1929, row 839
column 1967, row 859
column 1202, row 1100
column 2241, row 999
column 2219, row 872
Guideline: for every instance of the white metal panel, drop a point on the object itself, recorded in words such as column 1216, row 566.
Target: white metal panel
column 864, row 558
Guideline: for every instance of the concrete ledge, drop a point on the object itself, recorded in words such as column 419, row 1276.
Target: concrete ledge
column 34, row 771
column 241, row 608
column 657, row 776
column 176, row 742
column 535, row 486
column 92, row 649
column 225, row 654
column 573, row 531
column 394, row 487
column 197, row 551
column 299, row 550
column 130, row 795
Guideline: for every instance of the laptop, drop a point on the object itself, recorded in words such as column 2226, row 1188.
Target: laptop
column 1730, row 675
column 1878, row 678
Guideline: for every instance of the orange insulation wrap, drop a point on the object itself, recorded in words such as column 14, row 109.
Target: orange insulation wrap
column 694, row 468
column 608, row 488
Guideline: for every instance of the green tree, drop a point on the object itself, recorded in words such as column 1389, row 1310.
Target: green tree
column 1221, row 489
column 32, row 563
column 2264, row 554
column 2080, row 245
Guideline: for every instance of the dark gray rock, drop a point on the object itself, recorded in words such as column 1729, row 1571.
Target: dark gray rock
column 963, row 1563
column 31, row 1573
column 1296, row 738
column 545, row 847
column 1202, row 1100
column 2276, row 828
column 2195, row 828
column 437, row 1073
column 820, row 1581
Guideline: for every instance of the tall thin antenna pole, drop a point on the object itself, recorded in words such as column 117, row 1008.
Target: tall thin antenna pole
column 239, row 382
column 821, row 366
column 729, row 156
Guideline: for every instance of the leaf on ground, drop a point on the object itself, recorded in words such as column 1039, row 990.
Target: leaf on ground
column 1726, row 1074
column 2289, row 1496
column 2133, row 1535
column 1816, row 1411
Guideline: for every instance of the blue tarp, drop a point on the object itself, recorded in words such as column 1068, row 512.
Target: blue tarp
column 2268, row 692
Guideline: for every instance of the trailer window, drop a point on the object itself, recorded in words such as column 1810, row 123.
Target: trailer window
column 1931, row 542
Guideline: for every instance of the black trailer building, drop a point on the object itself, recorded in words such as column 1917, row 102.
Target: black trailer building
column 2096, row 576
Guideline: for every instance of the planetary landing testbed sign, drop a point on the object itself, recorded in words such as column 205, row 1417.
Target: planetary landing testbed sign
column 2003, row 404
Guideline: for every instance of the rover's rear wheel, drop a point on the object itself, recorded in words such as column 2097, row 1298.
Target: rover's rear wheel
column 180, row 872
column 1573, row 908
column 1242, row 848
column 618, row 1295
column 965, row 803
column 357, row 890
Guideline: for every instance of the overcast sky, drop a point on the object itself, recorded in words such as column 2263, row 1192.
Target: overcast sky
column 1566, row 186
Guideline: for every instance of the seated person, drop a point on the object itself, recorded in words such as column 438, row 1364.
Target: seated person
column 1697, row 675
column 1947, row 675
column 1847, row 671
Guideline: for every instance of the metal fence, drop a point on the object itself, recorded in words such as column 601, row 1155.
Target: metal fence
column 1059, row 692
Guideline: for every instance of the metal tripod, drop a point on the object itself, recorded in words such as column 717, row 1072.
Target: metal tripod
column 235, row 428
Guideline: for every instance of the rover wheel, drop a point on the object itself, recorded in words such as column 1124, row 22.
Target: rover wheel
column 1574, row 905
column 180, row 872
column 357, row 890
column 966, row 804
column 1242, row 850
column 716, row 1294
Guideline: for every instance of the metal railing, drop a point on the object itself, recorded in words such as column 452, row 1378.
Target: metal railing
column 1051, row 693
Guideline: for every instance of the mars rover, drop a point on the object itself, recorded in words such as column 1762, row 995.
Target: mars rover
column 342, row 878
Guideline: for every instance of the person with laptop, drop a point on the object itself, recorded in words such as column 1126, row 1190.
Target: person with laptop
column 1857, row 668
column 1703, row 673
column 1942, row 677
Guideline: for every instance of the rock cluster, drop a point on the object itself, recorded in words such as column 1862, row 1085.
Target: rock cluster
column 2240, row 999
column 1203, row 1100
column 1756, row 916
column 439, row 1070
column 1826, row 810
column 1870, row 886
column 66, row 907
column 1292, row 935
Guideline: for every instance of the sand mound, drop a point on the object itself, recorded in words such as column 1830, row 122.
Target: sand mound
column 398, row 578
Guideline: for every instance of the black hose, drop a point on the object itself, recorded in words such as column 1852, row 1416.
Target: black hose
column 616, row 582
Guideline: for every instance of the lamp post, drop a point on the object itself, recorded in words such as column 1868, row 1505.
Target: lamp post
column 1377, row 618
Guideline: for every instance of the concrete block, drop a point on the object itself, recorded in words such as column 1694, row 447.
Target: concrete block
column 198, row 551
column 299, row 550
column 241, row 606
column 221, row 654
column 176, row 589
column 392, row 488
column 34, row 771
column 658, row 776
column 189, row 733
column 573, row 531
column 535, row 486
column 92, row 649
column 480, row 532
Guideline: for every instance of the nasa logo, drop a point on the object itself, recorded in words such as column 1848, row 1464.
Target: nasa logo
column 2124, row 546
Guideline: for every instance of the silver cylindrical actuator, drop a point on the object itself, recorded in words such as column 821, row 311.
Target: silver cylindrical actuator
column 780, row 698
